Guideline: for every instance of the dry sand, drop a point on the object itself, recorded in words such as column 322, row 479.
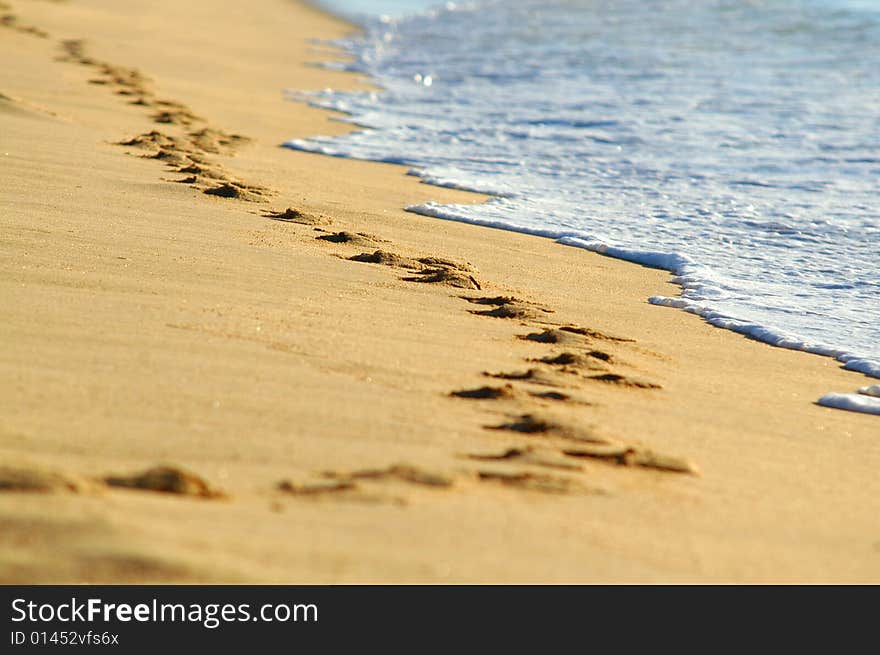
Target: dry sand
column 301, row 402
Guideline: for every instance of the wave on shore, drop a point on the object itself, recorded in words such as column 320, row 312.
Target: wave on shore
column 733, row 144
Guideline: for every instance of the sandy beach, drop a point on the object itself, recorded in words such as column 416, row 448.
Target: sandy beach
column 225, row 361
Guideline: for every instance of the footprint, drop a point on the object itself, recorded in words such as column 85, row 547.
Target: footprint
column 216, row 141
column 75, row 51
column 429, row 270
column 213, row 172
column 534, row 424
column 449, row 277
column 176, row 117
column 624, row 381
column 507, row 392
column 530, row 481
column 401, row 472
column 386, row 258
column 354, row 485
column 532, row 376
column 166, row 479
column 486, row 393
column 360, row 239
column 171, row 157
column 530, row 455
column 557, row 337
column 572, row 362
column 442, row 262
column 318, row 488
column 291, row 215
column 152, row 139
column 239, row 192
column 595, row 334
column 508, row 307
column 624, row 455
column 11, row 21
column 35, row 480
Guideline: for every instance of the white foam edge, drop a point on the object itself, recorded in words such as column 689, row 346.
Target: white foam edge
column 852, row 402
column 873, row 390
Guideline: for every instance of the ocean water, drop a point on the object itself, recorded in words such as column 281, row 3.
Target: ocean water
column 735, row 143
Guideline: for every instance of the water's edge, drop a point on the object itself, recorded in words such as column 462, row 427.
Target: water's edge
column 678, row 266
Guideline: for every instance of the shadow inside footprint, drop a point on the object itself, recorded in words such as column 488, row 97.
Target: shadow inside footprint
column 624, row 381
column 386, row 258
column 530, row 455
column 532, row 376
column 625, row 455
column 361, row 239
column 507, row 307
column 569, row 360
column 449, row 277
column 486, row 393
column 527, row 480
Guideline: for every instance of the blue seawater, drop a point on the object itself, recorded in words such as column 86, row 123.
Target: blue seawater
column 735, row 143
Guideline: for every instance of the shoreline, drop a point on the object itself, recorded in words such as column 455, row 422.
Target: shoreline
column 337, row 396
column 681, row 267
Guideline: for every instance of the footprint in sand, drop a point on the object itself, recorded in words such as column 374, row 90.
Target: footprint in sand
column 532, row 376
column 246, row 192
column 569, row 362
column 216, row 141
column 530, row 455
column 166, row 479
column 11, row 21
column 624, row 381
column 428, row 270
column 508, row 392
column 548, row 426
column 358, row 485
column 508, row 307
column 291, row 215
column 359, row 239
column 529, row 481
column 624, row 455
column 36, row 480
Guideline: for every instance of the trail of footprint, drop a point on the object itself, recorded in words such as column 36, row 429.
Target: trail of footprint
column 185, row 154
column 165, row 479
column 11, row 21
